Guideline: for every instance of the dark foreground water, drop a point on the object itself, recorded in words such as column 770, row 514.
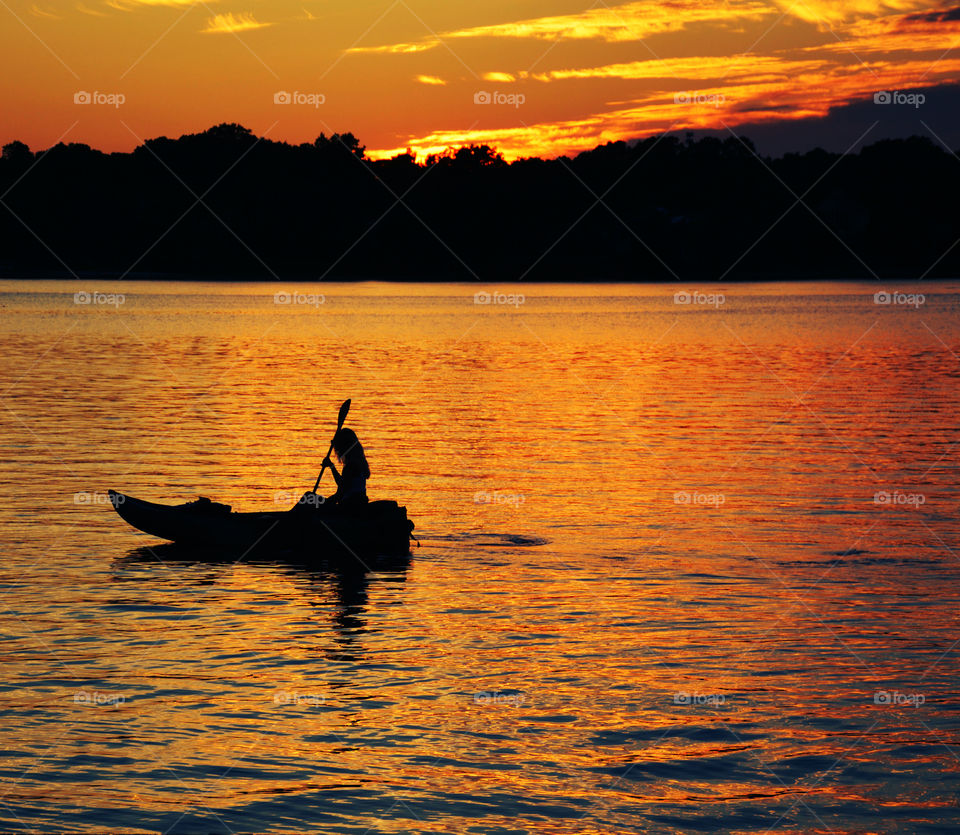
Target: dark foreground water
column 686, row 564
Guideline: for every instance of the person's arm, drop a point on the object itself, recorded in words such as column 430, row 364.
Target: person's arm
column 311, row 498
column 336, row 476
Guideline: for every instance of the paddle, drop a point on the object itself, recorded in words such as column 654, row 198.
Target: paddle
column 340, row 419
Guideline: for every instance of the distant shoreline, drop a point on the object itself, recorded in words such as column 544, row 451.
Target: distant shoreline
column 233, row 279
column 226, row 205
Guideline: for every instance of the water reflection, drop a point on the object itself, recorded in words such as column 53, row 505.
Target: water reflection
column 339, row 589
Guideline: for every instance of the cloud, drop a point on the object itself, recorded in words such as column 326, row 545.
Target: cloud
column 805, row 92
column 431, row 79
column 640, row 19
column 829, row 13
column 934, row 32
column 401, row 48
column 36, row 10
column 630, row 22
column 80, row 7
column 937, row 16
column 126, row 5
column 694, row 69
column 230, row 22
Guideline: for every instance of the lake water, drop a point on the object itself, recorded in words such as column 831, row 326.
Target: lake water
column 686, row 563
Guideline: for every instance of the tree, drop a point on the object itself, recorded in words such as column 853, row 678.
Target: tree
column 340, row 142
column 17, row 153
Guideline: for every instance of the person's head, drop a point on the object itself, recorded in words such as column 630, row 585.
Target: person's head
column 349, row 450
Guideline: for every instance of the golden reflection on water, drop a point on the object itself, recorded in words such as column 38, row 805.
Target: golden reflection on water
column 659, row 585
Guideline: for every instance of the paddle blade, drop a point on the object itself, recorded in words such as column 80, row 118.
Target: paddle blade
column 343, row 414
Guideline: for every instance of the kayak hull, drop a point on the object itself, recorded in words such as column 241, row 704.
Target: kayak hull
column 380, row 528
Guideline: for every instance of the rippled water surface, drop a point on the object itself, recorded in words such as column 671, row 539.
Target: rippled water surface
column 682, row 566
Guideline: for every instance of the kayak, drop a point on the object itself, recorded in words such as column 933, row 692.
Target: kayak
column 378, row 528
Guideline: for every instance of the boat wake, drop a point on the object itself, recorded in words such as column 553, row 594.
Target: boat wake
column 486, row 539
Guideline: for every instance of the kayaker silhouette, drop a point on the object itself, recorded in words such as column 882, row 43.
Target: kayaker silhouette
column 351, row 492
column 352, row 482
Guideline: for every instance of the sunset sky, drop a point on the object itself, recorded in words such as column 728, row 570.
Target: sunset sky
column 541, row 77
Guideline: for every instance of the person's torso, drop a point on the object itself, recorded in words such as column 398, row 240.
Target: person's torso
column 353, row 483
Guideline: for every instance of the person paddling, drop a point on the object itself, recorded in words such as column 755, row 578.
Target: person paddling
column 352, row 481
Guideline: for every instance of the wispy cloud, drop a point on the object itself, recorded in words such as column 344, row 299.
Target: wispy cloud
column 913, row 33
column 502, row 77
column 126, row 5
column 231, row 22
column 83, row 9
column 936, row 16
column 828, row 13
column 431, row 79
column 703, row 69
column 38, row 12
column 630, row 22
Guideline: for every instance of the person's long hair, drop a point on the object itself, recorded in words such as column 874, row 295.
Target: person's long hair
column 350, row 451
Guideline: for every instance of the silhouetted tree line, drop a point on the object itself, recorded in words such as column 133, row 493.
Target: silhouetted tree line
column 657, row 209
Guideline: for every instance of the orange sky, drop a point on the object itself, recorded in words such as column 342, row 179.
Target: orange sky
column 559, row 76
